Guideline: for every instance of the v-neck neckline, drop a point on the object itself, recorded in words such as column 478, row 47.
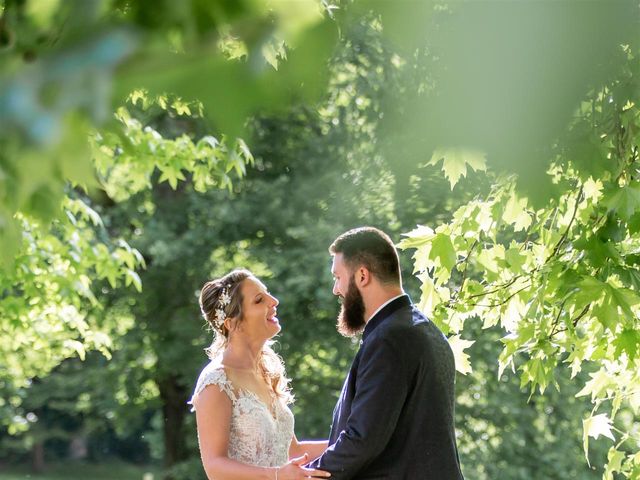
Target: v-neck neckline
column 271, row 409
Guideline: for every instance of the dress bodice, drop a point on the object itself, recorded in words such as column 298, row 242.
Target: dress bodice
column 259, row 435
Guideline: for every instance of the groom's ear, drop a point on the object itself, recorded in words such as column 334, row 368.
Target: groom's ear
column 363, row 276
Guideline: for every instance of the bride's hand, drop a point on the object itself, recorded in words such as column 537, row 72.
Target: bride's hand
column 294, row 470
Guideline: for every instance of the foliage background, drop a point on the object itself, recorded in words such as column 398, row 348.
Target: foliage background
column 148, row 146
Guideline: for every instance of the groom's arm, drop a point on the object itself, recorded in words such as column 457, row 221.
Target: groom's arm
column 381, row 387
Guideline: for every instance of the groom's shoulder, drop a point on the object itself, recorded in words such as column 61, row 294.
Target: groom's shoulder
column 409, row 326
column 402, row 327
column 407, row 317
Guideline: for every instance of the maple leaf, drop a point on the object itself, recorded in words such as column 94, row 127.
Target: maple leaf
column 628, row 342
column 462, row 359
column 595, row 426
column 455, row 161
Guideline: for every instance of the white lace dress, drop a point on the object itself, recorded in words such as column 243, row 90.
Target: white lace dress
column 258, row 435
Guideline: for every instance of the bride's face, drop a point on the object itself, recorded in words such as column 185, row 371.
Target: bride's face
column 259, row 319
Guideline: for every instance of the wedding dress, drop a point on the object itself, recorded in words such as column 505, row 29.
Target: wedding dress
column 259, row 435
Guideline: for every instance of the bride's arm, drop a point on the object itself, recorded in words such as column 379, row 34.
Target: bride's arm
column 213, row 418
column 313, row 448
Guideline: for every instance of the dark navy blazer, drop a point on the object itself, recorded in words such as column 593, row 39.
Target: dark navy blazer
column 395, row 416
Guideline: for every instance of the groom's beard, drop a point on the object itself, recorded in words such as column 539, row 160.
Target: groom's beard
column 351, row 318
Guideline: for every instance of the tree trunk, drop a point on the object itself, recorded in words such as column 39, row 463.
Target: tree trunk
column 174, row 409
column 78, row 449
column 37, row 457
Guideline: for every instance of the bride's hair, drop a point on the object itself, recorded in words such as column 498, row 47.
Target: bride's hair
column 270, row 363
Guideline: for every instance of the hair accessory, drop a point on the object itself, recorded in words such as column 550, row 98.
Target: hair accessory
column 223, row 302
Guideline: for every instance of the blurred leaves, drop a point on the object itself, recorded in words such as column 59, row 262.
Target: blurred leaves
column 231, row 90
column 126, row 160
column 49, row 295
column 52, row 291
column 505, row 78
column 56, row 250
column 555, row 277
column 65, row 66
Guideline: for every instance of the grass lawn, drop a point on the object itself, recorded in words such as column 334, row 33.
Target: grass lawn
column 83, row 471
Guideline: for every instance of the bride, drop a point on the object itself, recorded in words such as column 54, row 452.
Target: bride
column 245, row 428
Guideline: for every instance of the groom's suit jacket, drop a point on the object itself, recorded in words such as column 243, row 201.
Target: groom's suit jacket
column 395, row 416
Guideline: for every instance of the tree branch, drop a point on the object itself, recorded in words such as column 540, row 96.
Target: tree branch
column 565, row 234
column 466, row 263
column 504, row 301
column 557, row 319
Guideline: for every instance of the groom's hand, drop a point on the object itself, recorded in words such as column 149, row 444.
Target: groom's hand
column 295, row 470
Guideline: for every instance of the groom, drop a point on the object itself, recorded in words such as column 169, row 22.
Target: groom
column 395, row 416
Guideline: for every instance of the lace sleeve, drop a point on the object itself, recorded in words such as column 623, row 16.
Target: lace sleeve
column 213, row 376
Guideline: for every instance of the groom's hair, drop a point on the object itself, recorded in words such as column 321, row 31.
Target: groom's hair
column 372, row 249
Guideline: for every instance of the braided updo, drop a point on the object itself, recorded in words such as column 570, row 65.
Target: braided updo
column 223, row 294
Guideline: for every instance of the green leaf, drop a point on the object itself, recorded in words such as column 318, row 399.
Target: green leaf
column 577, row 356
column 598, row 386
column 458, row 346
column 418, row 237
column 592, row 189
column 594, row 426
column 630, row 276
column 133, row 277
column 181, row 108
column 442, row 249
column 515, row 213
column 625, row 299
column 77, row 346
column 538, row 372
column 613, row 229
column 589, row 290
column 614, row 463
column 627, row 342
column 430, row 297
column 599, row 251
column 421, row 259
column 271, row 52
column 607, row 314
column 171, row 174
column 514, row 311
column 515, row 259
column 634, row 223
column 626, row 201
column 598, row 425
column 137, row 95
column 455, row 161
column 492, row 259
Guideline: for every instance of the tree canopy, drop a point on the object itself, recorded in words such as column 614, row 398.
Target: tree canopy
column 148, row 145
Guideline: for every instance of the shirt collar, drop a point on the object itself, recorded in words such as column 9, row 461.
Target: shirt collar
column 384, row 305
column 384, row 311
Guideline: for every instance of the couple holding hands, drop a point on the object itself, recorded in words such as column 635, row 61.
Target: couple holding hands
column 395, row 415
